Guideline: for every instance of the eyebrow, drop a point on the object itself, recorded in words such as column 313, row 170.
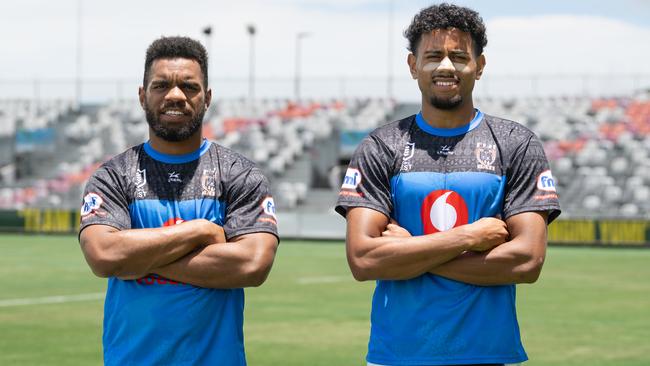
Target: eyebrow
column 164, row 80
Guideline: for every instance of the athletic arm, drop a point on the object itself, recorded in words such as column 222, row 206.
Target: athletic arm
column 245, row 261
column 518, row 260
column 374, row 253
column 135, row 252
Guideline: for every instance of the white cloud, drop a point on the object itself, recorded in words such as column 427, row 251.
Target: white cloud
column 566, row 45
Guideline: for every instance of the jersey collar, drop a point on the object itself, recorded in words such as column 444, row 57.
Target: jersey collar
column 447, row 132
column 177, row 159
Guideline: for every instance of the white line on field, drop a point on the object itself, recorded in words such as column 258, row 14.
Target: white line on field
column 323, row 279
column 100, row 295
column 51, row 299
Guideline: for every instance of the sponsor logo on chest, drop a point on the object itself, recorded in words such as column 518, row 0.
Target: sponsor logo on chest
column 443, row 210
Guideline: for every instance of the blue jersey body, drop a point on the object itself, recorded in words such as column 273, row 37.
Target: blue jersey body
column 159, row 321
column 431, row 180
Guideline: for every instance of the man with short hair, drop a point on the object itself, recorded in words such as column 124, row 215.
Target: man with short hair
column 447, row 210
column 179, row 225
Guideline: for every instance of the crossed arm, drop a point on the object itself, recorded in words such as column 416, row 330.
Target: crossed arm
column 487, row 252
column 194, row 252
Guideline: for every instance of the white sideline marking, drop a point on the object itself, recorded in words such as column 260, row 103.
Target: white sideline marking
column 100, row 295
column 323, row 279
column 51, row 299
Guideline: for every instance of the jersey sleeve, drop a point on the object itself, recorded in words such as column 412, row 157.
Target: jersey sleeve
column 249, row 204
column 367, row 179
column 105, row 201
column 530, row 185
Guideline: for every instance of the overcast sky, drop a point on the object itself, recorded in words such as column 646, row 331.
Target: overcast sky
column 346, row 52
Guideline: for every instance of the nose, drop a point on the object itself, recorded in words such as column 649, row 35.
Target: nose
column 175, row 94
column 446, row 64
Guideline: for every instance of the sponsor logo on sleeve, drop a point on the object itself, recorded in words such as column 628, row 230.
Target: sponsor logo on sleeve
column 486, row 155
column 268, row 206
column 546, row 182
column 92, row 203
column 352, row 179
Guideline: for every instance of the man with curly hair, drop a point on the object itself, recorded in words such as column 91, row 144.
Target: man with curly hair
column 447, row 210
column 179, row 225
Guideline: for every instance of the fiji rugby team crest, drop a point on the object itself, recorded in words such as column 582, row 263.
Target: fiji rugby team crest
column 486, row 155
column 209, row 182
column 140, row 181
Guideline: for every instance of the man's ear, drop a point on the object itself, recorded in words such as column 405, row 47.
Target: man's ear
column 141, row 96
column 412, row 62
column 480, row 65
column 208, row 98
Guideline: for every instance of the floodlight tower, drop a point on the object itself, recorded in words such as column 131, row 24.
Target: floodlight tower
column 296, row 80
column 250, row 29
column 207, row 33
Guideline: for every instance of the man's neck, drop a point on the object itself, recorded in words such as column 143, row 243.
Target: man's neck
column 444, row 118
column 190, row 145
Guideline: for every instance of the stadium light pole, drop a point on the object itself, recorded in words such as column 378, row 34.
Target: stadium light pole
column 250, row 28
column 389, row 76
column 78, row 86
column 207, row 32
column 296, row 80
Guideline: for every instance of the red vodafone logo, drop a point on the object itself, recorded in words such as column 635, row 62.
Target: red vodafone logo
column 174, row 221
column 443, row 210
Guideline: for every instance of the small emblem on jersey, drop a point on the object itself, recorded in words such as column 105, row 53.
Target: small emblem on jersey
column 409, row 151
column 172, row 222
column 445, row 150
column 443, row 210
column 486, row 154
column 208, row 182
column 92, row 202
column 269, row 206
column 352, row 179
column 174, row 177
column 140, row 181
column 546, row 182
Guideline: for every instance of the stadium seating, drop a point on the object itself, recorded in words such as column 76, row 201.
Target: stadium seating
column 599, row 148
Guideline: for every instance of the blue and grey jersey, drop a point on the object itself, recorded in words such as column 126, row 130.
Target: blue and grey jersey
column 431, row 180
column 158, row 321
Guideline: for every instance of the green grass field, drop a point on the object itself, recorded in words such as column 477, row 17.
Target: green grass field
column 590, row 307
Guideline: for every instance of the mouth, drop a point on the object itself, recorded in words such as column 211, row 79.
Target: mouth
column 445, row 83
column 173, row 115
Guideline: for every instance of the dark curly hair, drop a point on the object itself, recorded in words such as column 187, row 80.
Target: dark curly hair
column 445, row 16
column 172, row 47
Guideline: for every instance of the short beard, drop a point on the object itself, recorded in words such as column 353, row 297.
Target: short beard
column 446, row 103
column 173, row 134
